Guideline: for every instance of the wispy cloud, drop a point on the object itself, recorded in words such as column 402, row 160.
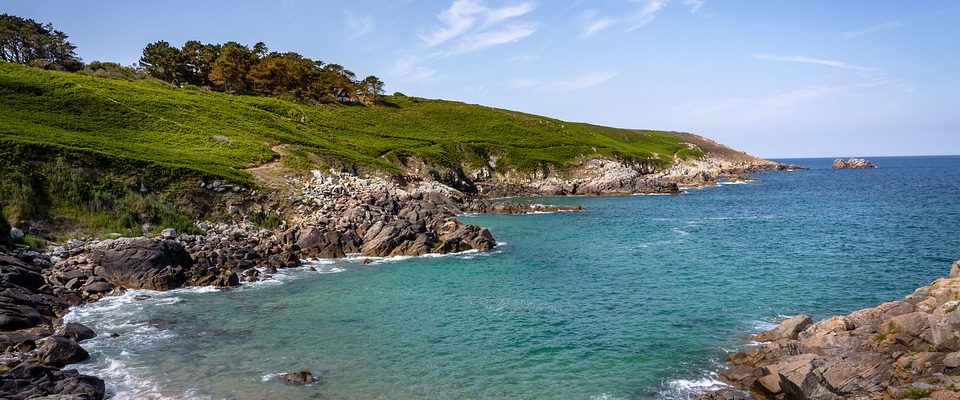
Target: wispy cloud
column 479, row 41
column 464, row 15
column 871, row 74
column 570, row 84
column 410, row 69
column 592, row 22
column 874, row 28
column 523, row 59
column 811, row 60
column 646, row 14
column 358, row 25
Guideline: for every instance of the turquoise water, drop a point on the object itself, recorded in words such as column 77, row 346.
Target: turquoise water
column 639, row 297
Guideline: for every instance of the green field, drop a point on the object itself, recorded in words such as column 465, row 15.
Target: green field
column 152, row 123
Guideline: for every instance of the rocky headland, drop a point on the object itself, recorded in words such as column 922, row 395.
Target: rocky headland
column 325, row 214
column 906, row 349
column 853, row 163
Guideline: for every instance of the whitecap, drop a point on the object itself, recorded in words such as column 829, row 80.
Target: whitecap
column 689, row 388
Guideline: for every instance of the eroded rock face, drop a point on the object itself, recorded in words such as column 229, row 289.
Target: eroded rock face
column 58, row 351
column 33, row 381
column 853, row 163
column 908, row 347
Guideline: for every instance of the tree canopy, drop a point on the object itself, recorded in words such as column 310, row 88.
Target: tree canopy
column 25, row 41
column 237, row 68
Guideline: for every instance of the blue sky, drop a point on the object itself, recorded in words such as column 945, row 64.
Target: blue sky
column 774, row 78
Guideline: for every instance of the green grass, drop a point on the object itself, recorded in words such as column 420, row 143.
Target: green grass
column 164, row 132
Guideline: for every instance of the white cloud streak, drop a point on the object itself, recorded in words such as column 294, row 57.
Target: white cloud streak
column 480, row 41
column 579, row 82
column 463, row 15
column 875, row 28
column 815, row 61
column 592, row 22
column 359, row 26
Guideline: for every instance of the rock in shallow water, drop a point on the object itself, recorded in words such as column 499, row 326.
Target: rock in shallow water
column 304, row 377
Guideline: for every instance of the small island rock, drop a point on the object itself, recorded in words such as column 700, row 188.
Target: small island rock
column 853, row 163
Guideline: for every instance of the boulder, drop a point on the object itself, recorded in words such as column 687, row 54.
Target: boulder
column 168, row 233
column 16, row 234
column 58, row 351
column 76, row 332
column 297, row 378
column 788, row 329
column 34, row 381
column 143, row 264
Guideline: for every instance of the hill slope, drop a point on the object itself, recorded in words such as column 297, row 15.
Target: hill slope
column 219, row 135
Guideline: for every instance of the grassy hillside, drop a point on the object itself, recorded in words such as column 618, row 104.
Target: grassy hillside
column 151, row 123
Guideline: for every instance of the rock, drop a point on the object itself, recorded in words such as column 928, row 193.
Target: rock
column 788, row 329
column 952, row 360
column 34, row 381
column 853, row 163
column 880, row 352
column 143, row 264
column 724, row 394
column 16, row 234
column 58, row 351
column 168, row 233
column 97, row 287
column 297, row 378
column 76, row 332
column 955, row 269
column 159, row 324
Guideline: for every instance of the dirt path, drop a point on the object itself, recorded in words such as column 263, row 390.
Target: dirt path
column 270, row 173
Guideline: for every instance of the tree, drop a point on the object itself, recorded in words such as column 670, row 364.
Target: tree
column 230, row 70
column 163, row 61
column 198, row 59
column 286, row 74
column 25, row 41
column 371, row 90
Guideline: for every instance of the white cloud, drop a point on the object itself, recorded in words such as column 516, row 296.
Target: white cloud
column 523, row 59
column 501, row 14
column 592, row 22
column 463, row 15
column 409, row 69
column 875, row 28
column 694, row 4
column 789, row 99
column 873, row 75
column 583, row 81
column 359, row 26
column 480, row 41
column 646, row 14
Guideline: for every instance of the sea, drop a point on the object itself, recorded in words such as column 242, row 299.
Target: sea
column 638, row 297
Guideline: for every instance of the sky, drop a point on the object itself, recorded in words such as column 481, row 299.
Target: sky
column 777, row 79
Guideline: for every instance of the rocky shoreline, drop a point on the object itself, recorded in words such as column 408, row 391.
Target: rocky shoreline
column 330, row 215
column 906, row 349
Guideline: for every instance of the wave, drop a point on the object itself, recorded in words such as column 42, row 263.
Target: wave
column 690, row 388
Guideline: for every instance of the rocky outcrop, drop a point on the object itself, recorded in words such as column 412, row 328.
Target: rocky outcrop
column 342, row 214
column 853, row 163
column 607, row 176
column 32, row 358
column 901, row 349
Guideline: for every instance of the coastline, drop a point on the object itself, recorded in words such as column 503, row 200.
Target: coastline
column 81, row 272
column 906, row 348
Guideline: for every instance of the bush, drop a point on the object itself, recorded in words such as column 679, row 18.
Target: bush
column 265, row 220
